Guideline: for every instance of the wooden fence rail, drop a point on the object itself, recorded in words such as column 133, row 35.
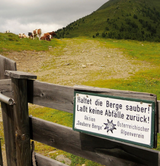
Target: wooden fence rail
column 61, row 97
column 20, row 128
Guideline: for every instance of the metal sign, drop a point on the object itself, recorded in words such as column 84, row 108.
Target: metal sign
column 124, row 119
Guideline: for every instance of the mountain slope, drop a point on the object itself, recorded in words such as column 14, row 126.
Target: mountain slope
column 121, row 19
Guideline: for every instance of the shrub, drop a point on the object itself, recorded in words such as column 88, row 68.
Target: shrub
column 135, row 16
column 103, row 35
column 97, row 34
column 107, row 29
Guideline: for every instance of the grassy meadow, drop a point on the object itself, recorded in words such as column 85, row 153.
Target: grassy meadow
column 147, row 80
column 143, row 81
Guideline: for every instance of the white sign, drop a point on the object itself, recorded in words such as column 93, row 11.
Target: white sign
column 122, row 119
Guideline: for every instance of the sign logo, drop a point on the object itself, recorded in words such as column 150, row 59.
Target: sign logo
column 124, row 119
column 110, row 126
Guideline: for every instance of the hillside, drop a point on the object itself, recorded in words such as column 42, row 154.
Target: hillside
column 120, row 19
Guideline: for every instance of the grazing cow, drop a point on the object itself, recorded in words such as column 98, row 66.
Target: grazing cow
column 46, row 36
column 52, row 34
column 30, row 35
column 8, row 31
column 22, row 35
column 37, row 33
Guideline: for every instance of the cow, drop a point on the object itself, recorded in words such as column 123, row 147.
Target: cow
column 46, row 36
column 30, row 35
column 37, row 33
column 52, row 34
column 22, row 35
column 8, row 31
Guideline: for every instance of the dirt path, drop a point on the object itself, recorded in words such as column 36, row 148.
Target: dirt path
column 76, row 61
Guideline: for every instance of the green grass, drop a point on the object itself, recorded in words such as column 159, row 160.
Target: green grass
column 143, row 81
column 1, row 133
column 52, row 115
column 145, row 51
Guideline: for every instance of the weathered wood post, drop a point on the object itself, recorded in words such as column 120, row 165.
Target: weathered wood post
column 7, row 113
column 21, row 117
column 1, row 161
column 6, row 64
column 8, row 125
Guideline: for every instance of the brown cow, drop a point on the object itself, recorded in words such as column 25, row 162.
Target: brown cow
column 46, row 36
column 22, row 35
column 52, row 33
column 37, row 33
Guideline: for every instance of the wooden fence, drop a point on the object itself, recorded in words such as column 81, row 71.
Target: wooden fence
column 20, row 128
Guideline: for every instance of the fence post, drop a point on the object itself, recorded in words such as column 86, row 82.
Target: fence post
column 20, row 116
column 1, row 161
column 8, row 125
column 6, row 64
